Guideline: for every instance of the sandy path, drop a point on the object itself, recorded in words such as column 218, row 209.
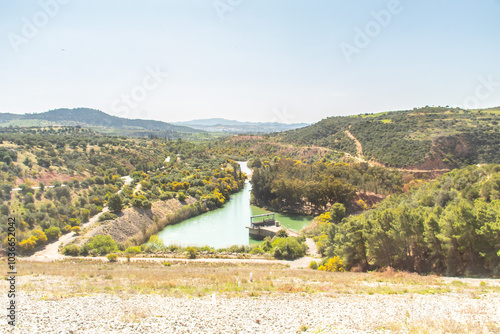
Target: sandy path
column 51, row 251
column 312, row 249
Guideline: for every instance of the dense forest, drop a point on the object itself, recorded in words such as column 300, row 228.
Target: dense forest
column 290, row 185
column 449, row 226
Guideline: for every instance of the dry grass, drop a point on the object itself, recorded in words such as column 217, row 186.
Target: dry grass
column 84, row 277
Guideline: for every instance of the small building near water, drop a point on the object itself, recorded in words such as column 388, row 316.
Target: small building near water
column 262, row 226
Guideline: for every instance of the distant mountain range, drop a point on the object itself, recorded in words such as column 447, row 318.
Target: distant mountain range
column 108, row 124
column 97, row 120
column 231, row 126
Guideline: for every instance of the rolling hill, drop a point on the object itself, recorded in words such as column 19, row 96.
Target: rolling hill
column 425, row 138
column 225, row 125
column 98, row 121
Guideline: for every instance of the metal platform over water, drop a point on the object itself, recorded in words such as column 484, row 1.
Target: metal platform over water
column 268, row 227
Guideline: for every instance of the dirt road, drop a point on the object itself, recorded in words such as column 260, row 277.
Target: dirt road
column 51, row 251
column 359, row 147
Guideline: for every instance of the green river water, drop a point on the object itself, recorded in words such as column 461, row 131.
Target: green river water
column 225, row 226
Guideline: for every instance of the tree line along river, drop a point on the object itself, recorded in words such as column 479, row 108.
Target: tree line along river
column 225, row 226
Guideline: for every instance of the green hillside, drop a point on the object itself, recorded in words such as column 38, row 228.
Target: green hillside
column 450, row 226
column 429, row 138
column 53, row 179
column 98, row 121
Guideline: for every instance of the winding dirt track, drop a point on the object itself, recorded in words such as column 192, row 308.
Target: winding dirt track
column 51, row 251
column 359, row 147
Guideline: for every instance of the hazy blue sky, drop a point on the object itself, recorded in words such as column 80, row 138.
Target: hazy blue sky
column 255, row 60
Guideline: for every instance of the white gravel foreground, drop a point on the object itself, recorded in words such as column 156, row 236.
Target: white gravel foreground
column 107, row 313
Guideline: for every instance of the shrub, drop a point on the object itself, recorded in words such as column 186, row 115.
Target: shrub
column 76, row 229
column 237, row 249
column 84, row 250
column 267, row 244
column 102, row 244
column 71, row 250
column 74, row 222
column 289, row 248
column 154, row 244
column 107, row 216
column 282, row 233
column 53, row 233
column 28, row 244
column 94, row 252
column 181, row 196
column 322, row 244
column 133, row 250
column 333, row 264
column 313, row 265
column 207, row 248
column 173, row 248
column 112, row 257
column 40, row 237
column 136, row 202
column 256, row 251
column 167, row 264
column 192, row 252
column 165, row 196
column 146, row 204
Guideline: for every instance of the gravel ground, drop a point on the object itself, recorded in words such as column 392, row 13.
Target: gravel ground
column 107, row 313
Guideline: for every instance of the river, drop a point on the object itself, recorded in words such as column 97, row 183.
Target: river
column 225, row 226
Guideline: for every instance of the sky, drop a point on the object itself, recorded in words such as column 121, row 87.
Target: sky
column 250, row 60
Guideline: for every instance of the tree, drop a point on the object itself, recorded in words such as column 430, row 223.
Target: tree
column 257, row 163
column 71, row 250
column 337, row 212
column 115, row 203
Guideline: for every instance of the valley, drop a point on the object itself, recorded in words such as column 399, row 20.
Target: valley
column 145, row 193
column 252, row 167
column 88, row 205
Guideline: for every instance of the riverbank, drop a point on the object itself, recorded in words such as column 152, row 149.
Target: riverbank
column 93, row 297
column 136, row 225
